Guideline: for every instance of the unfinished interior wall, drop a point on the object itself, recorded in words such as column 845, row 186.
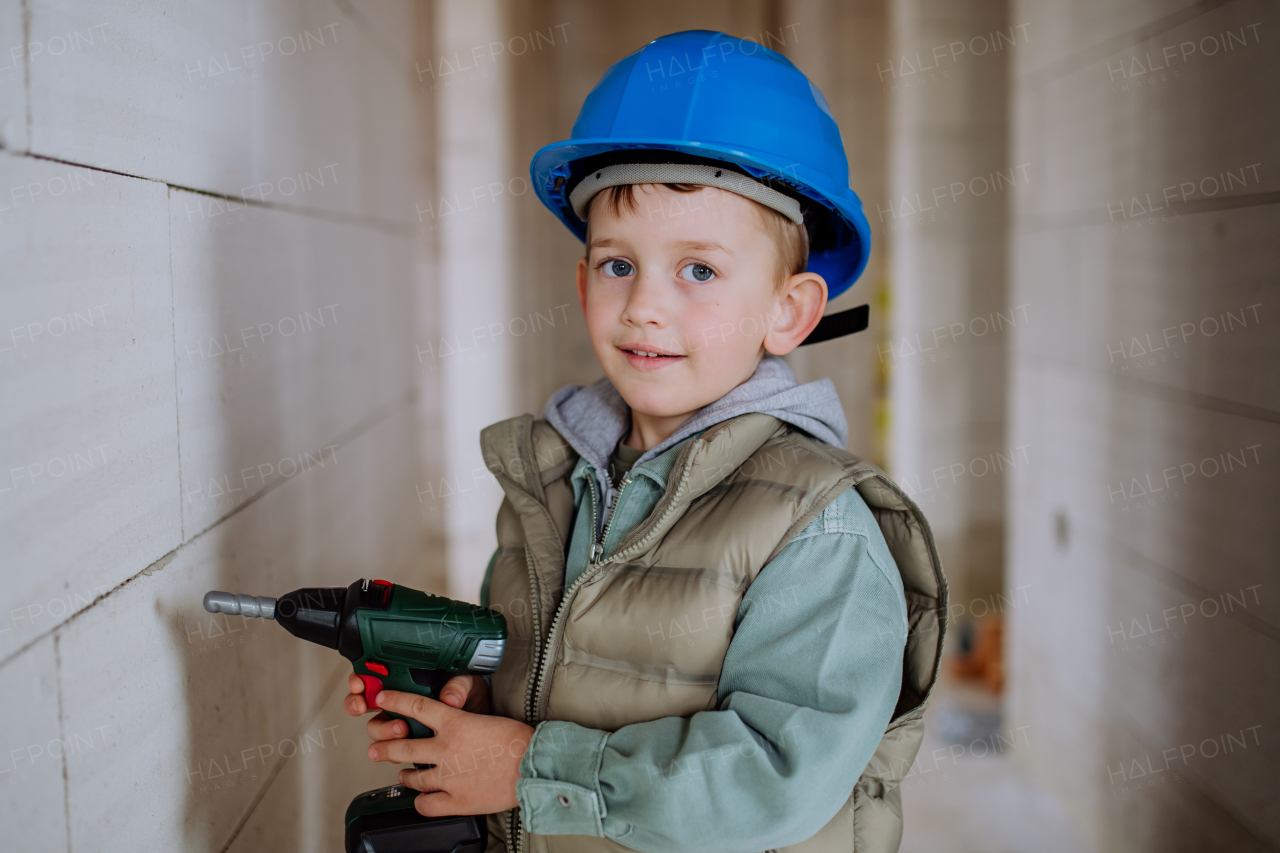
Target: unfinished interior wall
column 1145, row 387
column 209, row 271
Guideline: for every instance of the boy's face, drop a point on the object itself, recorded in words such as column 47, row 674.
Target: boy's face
column 690, row 277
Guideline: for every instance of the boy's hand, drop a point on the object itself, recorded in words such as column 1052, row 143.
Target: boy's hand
column 477, row 756
column 468, row 692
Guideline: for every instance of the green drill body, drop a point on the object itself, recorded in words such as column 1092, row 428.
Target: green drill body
column 421, row 640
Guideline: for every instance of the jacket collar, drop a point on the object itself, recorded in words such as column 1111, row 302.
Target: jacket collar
column 524, row 459
column 592, row 419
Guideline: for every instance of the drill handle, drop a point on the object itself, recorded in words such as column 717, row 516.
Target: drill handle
column 435, row 681
column 425, row 682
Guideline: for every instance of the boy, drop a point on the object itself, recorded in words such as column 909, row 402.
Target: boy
column 723, row 628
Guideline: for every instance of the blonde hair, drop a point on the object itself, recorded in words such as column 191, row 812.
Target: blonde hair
column 790, row 240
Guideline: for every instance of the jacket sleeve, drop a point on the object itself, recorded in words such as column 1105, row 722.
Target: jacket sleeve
column 807, row 689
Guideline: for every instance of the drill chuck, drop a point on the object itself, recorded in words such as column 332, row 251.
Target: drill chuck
column 240, row 605
column 382, row 623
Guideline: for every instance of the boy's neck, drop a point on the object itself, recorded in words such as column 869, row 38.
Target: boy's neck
column 648, row 431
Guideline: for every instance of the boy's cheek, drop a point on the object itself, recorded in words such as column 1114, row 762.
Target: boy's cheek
column 603, row 311
column 724, row 337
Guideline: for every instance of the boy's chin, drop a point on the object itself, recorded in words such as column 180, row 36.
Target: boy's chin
column 664, row 402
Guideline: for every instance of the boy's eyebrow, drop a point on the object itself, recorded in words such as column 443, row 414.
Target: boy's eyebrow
column 690, row 245
column 703, row 246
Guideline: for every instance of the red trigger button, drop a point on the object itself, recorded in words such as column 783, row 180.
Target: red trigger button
column 376, row 667
column 372, row 687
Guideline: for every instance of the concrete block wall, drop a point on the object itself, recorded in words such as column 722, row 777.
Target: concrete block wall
column 1145, row 532
column 213, row 283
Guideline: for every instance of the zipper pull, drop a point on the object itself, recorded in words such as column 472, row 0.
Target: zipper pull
column 597, row 548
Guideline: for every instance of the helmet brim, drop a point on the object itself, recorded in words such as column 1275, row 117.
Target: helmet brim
column 834, row 217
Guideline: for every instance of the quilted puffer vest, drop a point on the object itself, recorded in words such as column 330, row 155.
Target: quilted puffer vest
column 735, row 497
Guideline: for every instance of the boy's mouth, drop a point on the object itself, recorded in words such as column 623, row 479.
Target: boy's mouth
column 645, row 357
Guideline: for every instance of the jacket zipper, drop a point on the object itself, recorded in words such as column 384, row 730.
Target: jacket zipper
column 512, row 817
column 535, row 613
column 597, row 548
column 591, row 571
column 515, row 831
column 595, row 511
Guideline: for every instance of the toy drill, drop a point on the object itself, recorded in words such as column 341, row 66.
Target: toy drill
column 399, row 639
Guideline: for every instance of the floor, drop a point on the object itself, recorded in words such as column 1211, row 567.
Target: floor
column 966, row 795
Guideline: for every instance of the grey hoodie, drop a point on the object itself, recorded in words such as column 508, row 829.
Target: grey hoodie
column 593, row 418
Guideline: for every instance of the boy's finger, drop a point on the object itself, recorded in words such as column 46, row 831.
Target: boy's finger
column 406, row 751
column 429, row 712
column 354, row 705
column 426, row 781
column 478, row 701
column 354, row 683
column 456, row 690
column 383, row 727
column 434, row 804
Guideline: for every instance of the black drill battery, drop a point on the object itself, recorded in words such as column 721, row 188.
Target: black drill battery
column 385, row 821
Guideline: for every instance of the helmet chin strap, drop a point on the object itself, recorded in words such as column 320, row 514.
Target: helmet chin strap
column 839, row 324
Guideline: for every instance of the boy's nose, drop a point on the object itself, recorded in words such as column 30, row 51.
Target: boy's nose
column 648, row 301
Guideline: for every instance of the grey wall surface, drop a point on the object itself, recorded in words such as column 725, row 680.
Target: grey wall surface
column 211, row 282
column 1146, row 390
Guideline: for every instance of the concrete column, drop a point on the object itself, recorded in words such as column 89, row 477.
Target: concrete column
column 838, row 45
column 433, row 538
column 474, row 235
column 944, row 217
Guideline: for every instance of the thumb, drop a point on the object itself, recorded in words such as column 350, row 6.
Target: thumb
column 455, row 691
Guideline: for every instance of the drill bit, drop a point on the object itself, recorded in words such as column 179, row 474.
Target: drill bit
column 240, row 605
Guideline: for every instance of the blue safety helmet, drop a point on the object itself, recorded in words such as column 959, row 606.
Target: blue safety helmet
column 708, row 98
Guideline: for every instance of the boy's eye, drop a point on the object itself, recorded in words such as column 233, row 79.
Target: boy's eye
column 697, row 272
column 617, row 269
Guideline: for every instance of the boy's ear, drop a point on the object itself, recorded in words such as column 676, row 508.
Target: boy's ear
column 582, row 284
column 799, row 308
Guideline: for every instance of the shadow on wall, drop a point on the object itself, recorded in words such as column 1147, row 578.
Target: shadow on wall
column 249, row 683
column 302, row 447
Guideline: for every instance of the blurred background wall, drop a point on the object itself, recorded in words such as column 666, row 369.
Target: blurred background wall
column 267, row 268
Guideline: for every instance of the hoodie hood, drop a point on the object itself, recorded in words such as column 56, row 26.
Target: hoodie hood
column 593, row 418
